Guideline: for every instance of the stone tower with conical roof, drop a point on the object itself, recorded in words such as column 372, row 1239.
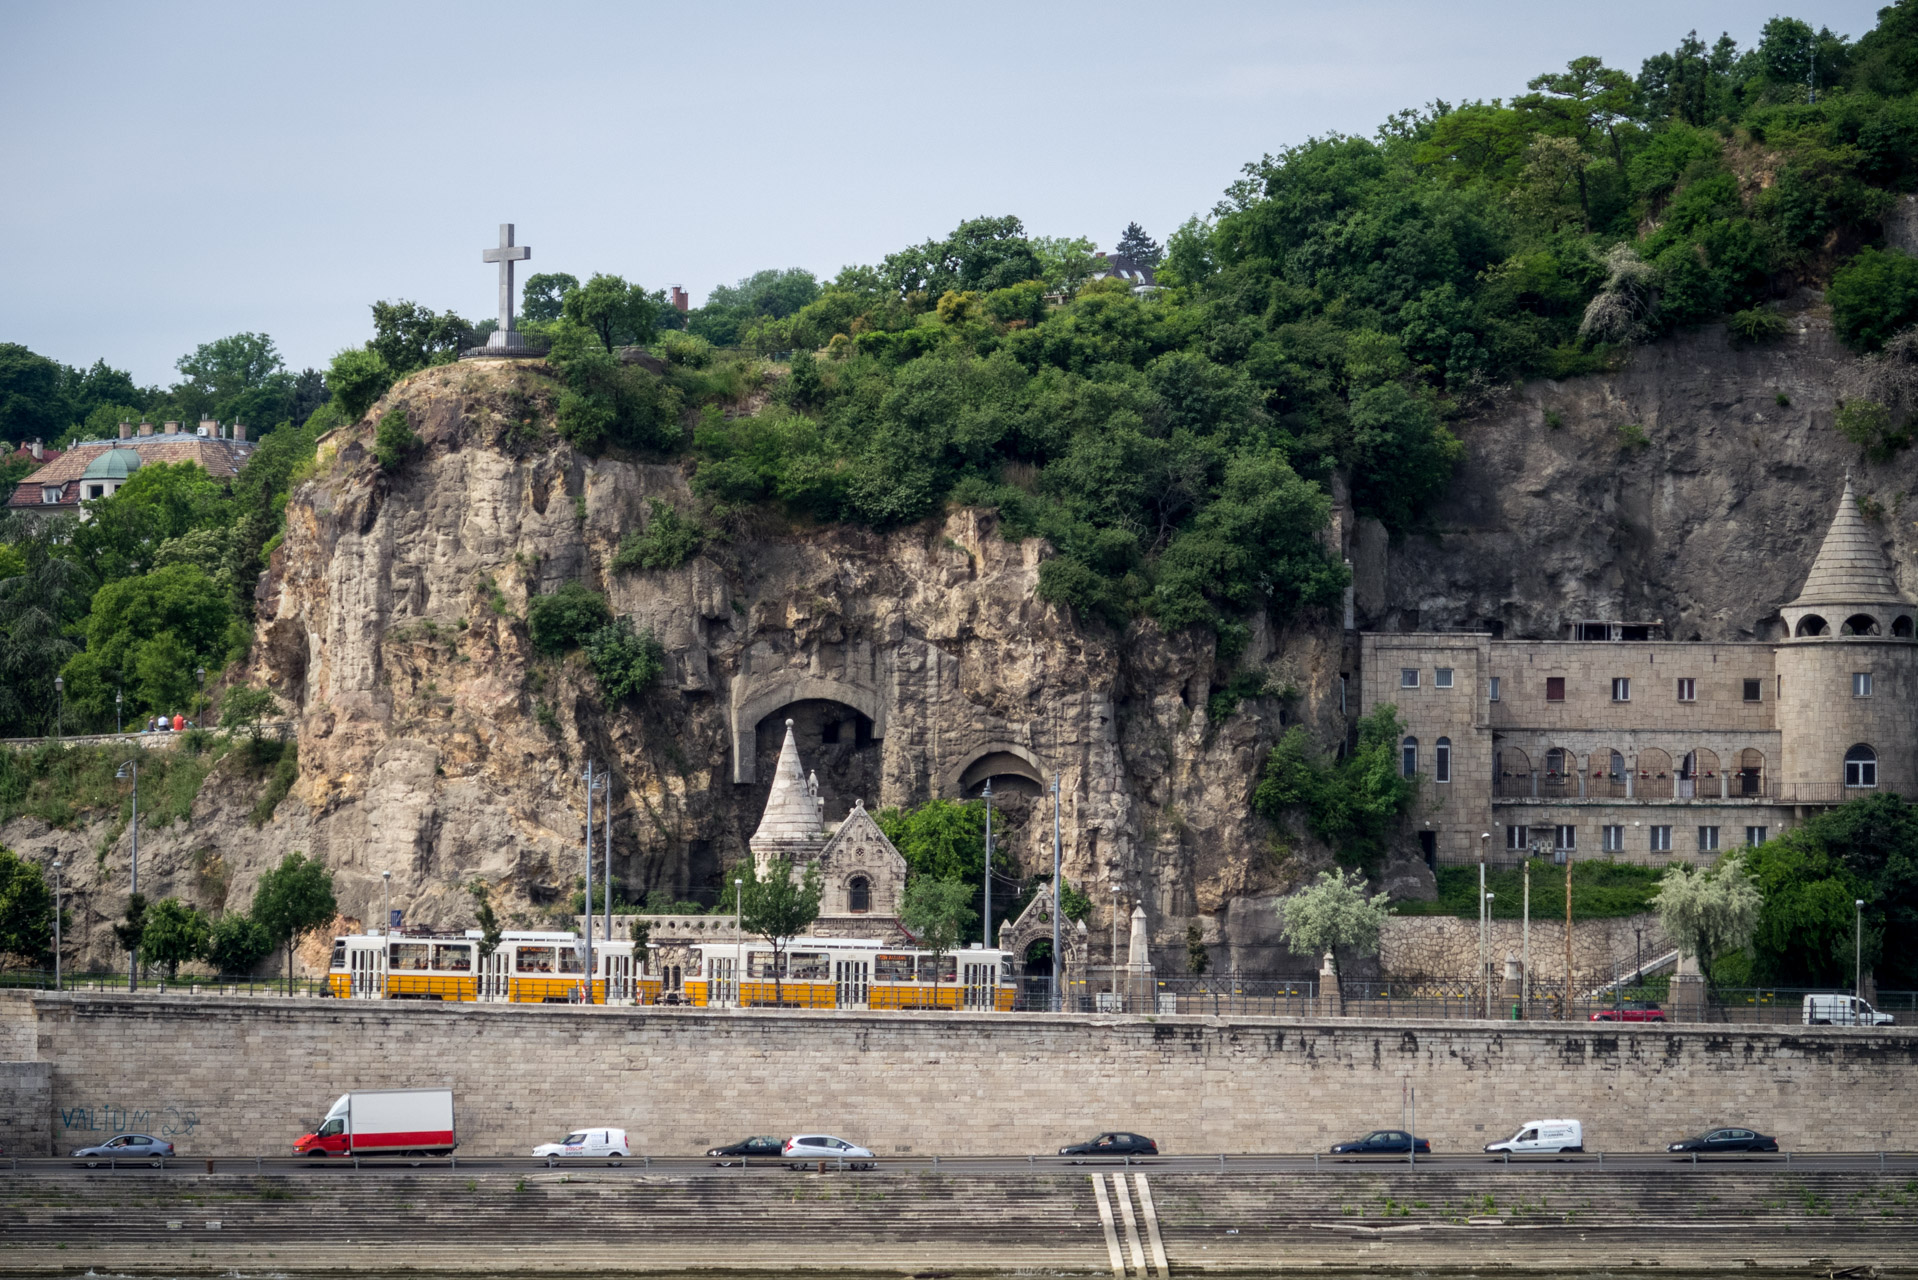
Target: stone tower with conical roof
column 1847, row 673
column 793, row 826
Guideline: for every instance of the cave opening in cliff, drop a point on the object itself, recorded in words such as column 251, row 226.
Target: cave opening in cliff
column 835, row 741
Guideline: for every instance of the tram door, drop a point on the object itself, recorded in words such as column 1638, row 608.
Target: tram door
column 492, row 976
column 980, row 985
column 619, row 978
column 369, row 973
column 724, row 984
column 850, row 980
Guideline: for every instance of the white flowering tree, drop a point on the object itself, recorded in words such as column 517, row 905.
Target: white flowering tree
column 1333, row 912
column 1709, row 913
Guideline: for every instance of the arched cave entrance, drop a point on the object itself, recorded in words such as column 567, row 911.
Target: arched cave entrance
column 835, row 741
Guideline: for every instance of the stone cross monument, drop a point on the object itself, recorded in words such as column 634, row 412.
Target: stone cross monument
column 506, row 255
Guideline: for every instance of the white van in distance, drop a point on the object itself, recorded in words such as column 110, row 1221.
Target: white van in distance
column 1543, row 1136
column 593, row 1144
column 1843, row 1011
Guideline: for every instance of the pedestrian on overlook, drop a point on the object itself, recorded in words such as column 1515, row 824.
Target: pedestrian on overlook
column 179, row 722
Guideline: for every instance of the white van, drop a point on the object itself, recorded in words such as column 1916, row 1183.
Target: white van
column 1843, row 1011
column 1547, row 1136
column 593, row 1144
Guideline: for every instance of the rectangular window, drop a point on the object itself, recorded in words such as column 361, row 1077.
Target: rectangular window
column 1661, row 839
column 1442, row 678
column 1518, row 837
column 1861, row 684
column 1494, row 688
column 1754, row 836
column 1408, row 677
column 1554, row 688
column 1614, row 839
column 1754, row 690
column 1708, row 839
column 1567, row 837
column 1621, row 688
column 1688, row 690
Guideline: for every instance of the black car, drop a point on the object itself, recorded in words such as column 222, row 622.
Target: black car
column 1383, row 1142
column 1714, row 1140
column 1113, row 1144
column 746, row 1148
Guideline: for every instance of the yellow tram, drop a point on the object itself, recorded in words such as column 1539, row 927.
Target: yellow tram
column 528, row 967
column 843, row 973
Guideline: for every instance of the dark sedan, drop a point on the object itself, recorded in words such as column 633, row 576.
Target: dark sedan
column 746, row 1148
column 1715, row 1140
column 1113, row 1144
column 1383, row 1142
column 126, row 1148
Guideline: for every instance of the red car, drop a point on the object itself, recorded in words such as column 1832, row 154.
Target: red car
column 1631, row 1011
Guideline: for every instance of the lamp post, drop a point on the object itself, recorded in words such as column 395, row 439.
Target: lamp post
column 586, row 955
column 1488, row 958
column 131, row 769
column 199, row 699
column 1858, row 951
column 60, row 707
column 606, row 853
column 1525, row 974
column 386, row 903
column 1058, row 903
column 987, row 794
column 1638, row 974
column 56, row 924
column 1115, row 943
column 118, row 727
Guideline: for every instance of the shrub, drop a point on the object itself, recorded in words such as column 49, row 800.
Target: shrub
column 1631, row 435
column 625, row 662
column 394, row 440
column 564, row 619
column 1873, row 296
column 1352, row 804
column 1871, row 427
column 1759, row 324
column 357, row 378
column 668, row 541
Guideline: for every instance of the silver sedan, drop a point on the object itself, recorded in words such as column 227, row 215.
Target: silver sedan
column 128, row 1148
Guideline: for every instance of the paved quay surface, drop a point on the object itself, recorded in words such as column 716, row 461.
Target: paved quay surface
column 1108, row 1221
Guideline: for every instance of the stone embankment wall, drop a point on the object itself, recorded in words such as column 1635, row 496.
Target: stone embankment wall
column 1445, row 948
column 245, row 1076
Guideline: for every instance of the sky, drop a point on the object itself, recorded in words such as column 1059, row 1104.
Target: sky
column 170, row 174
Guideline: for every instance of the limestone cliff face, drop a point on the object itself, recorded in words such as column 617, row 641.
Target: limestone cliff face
column 434, row 744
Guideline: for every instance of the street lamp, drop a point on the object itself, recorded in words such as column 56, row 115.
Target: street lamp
column 1115, row 942
column 1858, row 950
column 199, row 703
column 1058, row 902
column 386, row 903
column 987, row 794
column 118, row 728
column 56, row 924
column 131, row 769
column 1488, row 958
column 60, row 702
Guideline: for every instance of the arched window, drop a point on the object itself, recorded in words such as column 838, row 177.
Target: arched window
column 1442, row 760
column 1409, row 757
column 1812, row 625
column 1861, row 767
column 859, row 895
column 1860, row 624
column 1901, row 627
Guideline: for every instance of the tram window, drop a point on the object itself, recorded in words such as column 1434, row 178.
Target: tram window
column 759, row 964
column 808, row 964
column 454, row 959
column 533, row 959
column 891, row 968
column 570, row 960
column 411, row 955
column 339, row 956
column 950, row 968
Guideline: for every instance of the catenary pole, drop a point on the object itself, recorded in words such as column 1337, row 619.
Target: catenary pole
column 1567, row 1011
column 1058, row 903
column 606, row 853
column 588, row 956
column 1525, row 977
column 1484, row 980
column 987, row 793
column 56, row 926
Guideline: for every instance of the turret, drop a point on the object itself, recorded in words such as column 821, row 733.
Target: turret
column 792, row 826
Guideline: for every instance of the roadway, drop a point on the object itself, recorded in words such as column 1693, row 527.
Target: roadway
column 1641, row 1162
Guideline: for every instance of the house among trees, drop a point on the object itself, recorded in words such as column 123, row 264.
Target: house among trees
column 94, row 469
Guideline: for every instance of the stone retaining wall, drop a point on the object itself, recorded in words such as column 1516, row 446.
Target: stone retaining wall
column 26, row 1100
column 248, row 1076
column 1445, row 948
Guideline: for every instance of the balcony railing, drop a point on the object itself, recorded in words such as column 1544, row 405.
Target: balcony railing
column 1669, row 790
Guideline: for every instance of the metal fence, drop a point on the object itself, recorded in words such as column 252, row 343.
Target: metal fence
column 184, row 984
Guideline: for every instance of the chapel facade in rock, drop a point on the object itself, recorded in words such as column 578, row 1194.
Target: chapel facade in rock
column 1614, row 742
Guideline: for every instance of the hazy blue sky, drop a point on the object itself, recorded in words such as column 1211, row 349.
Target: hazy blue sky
column 173, row 173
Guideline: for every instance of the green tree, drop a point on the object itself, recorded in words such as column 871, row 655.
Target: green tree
column 1709, row 913
column 625, row 663
column 619, row 314
column 159, row 503
column 543, row 296
column 293, row 899
column 222, row 375
column 485, row 918
column 1197, row 959
column 777, row 908
column 1353, row 804
column 564, row 618
column 1333, row 912
column 946, row 840
column 131, row 930
column 145, row 636
column 246, row 707
column 1402, row 455
column 26, row 911
column 938, row 913
column 394, row 440
column 174, row 933
column 358, row 378
column 1138, row 248
column 668, row 541
column 1873, row 296
column 40, row 609
column 237, row 943
column 407, row 336
column 33, row 405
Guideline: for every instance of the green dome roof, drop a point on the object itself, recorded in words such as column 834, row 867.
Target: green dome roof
column 114, row 464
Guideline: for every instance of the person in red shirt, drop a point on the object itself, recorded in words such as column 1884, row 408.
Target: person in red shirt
column 179, row 722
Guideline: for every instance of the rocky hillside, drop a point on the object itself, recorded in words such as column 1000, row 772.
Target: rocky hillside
column 436, row 744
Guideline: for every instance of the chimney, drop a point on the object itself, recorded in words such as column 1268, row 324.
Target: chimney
column 680, row 300
column 239, row 431
column 126, row 431
column 173, row 428
column 36, row 450
column 209, row 428
column 146, row 428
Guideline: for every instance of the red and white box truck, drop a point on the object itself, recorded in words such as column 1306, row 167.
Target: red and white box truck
column 384, row 1122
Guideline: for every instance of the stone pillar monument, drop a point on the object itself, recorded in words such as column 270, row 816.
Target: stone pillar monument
column 1514, row 983
column 1331, row 998
column 1141, row 986
column 1687, row 996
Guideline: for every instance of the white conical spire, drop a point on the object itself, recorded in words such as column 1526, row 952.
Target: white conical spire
column 1850, row 568
column 791, row 828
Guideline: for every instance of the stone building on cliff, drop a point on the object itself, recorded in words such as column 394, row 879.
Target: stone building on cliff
column 1617, row 743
